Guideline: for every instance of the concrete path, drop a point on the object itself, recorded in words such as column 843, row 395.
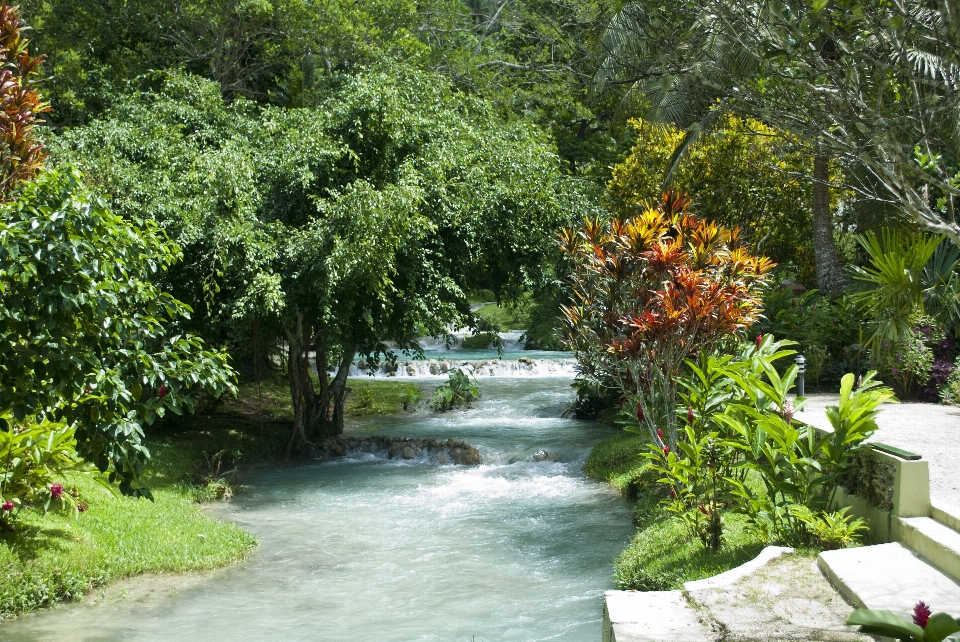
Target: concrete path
column 927, row 429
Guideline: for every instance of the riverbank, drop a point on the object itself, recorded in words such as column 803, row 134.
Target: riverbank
column 662, row 555
column 58, row 557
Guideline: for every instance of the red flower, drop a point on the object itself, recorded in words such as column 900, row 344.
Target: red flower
column 163, row 391
column 759, row 340
column 660, row 434
column 673, row 494
column 921, row 614
column 666, row 450
column 56, row 491
column 690, row 415
column 639, row 413
column 7, row 506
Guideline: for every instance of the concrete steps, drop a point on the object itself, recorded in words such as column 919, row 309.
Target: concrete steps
column 935, row 542
column 889, row 577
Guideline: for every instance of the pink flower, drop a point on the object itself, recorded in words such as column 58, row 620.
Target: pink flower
column 759, row 340
column 788, row 411
column 666, row 450
column 162, row 391
column 859, row 381
column 639, row 413
column 660, row 434
column 690, row 415
column 673, row 494
column 7, row 506
column 921, row 614
column 56, row 491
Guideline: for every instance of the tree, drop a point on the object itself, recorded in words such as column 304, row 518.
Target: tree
column 86, row 335
column 871, row 85
column 744, row 175
column 359, row 219
column 651, row 291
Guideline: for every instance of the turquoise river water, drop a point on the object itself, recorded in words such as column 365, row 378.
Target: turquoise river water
column 367, row 549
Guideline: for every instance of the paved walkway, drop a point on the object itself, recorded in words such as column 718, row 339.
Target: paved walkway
column 927, row 429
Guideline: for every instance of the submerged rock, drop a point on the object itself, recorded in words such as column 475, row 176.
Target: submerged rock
column 541, row 455
column 456, row 451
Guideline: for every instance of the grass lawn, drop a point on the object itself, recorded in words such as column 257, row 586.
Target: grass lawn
column 56, row 557
column 506, row 318
column 663, row 555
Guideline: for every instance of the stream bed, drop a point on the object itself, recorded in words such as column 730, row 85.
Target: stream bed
column 369, row 549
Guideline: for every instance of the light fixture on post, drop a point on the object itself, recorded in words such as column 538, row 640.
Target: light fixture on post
column 801, row 371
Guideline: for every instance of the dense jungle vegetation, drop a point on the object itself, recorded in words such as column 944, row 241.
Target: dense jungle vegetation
column 211, row 193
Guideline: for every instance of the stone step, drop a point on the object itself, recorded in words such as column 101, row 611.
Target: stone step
column 889, row 577
column 651, row 616
column 946, row 514
column 935, row 542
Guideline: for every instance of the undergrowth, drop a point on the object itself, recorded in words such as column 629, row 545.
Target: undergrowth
column 663, row 554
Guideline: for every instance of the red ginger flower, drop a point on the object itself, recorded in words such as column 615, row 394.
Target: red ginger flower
column 666, row 450
column 690, row 415
column 7, row 506
column 759, row 340
column 921, row 614
column 639, row 413
column 660, row 434
column 162, row 391
column 56, row 491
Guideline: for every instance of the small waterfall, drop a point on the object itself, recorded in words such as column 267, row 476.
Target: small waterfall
column 440, row 368
column 512, row 341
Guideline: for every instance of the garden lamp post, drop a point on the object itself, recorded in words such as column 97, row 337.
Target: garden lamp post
column 801, row 371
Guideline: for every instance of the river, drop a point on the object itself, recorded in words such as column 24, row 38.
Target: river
column 367, row 549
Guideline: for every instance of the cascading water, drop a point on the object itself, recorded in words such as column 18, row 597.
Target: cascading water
column 366, row 548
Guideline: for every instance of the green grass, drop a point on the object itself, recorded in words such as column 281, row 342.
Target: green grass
column 59, row 556
column 663, row 554
column 377, row 397
column 505, row 318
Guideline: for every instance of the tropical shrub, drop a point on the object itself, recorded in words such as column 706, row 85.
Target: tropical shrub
column 649, row 292
column 87, row 337
column 827, row 330
column 33, row 460
column 925, row 626
column 950, row 392
column 459, row 390
column 410, row 396
column 742, row 448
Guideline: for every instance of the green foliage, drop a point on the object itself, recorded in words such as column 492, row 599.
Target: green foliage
column 828, row 331
column 480, row 341
column 830, row 530
column 938, row 626
column 742, row 447
column 360, row 219
column 87, row 336
column 663, row 555
column 743, row 175
column 502, row 318
column 617, row 460
column 32, row 459
column 410, row 396
column 894, row 280
column 907, row 361
column 460, row 389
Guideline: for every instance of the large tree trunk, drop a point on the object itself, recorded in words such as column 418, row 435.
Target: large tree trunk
column 315, row 415
column 831, row 276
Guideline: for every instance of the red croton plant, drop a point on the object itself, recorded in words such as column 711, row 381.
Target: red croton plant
column 652, row 291
column 21, row 154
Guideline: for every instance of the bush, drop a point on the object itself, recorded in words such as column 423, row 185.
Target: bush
column 459, row 390
column 33, row 459
column 650, row 291
column 739, row 424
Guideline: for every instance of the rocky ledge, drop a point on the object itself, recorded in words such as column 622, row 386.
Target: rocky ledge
column 450, row 451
